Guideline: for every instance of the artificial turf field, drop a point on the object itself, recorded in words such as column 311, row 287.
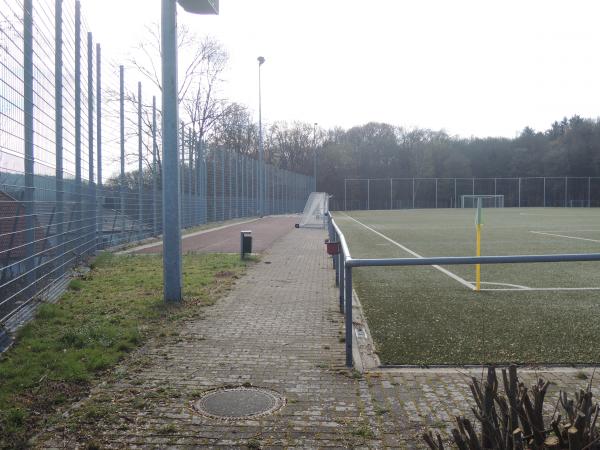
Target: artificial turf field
column 540, row 313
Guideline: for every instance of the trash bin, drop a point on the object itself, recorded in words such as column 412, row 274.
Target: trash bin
column 245, row 243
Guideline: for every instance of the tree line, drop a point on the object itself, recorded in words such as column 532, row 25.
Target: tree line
column 569, row 147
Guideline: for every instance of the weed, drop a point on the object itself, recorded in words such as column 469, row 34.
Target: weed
column 356, row 374
column 364, row 431
column 75, row 284
column 380, row 410
column 167, row 429
column 253, row 444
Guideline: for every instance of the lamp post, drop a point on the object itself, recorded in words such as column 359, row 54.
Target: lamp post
column 261, row 150
column 315, row 156
column 172, row 290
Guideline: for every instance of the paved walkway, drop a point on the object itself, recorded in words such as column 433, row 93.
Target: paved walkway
column 278, row 328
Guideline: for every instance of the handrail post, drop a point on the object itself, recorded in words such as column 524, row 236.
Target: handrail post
column 341, row 280
column 348, row 315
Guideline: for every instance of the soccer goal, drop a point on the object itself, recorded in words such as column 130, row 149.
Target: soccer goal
column 487, row 201
column 315, row 211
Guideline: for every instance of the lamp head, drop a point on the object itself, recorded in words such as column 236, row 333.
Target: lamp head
column 261, row 60
column 200, row 6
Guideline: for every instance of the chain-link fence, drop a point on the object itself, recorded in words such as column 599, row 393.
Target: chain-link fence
column 66, row 122
column 408, row 193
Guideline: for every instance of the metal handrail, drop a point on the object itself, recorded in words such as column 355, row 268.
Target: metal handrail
column 344, row 263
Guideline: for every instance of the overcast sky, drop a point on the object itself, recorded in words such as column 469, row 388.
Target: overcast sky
column 482, row 68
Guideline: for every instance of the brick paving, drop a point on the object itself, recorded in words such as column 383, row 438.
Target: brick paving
column 278, row 328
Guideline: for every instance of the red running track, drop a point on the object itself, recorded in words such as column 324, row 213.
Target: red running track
column 265, row 232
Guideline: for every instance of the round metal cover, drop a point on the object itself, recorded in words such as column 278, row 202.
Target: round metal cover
column 239, row 402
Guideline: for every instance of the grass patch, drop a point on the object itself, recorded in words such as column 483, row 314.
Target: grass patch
column 103, row 316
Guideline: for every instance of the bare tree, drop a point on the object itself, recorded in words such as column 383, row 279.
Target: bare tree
column 202, row 63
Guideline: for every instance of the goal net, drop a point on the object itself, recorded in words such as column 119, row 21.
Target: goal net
column 315, row 211
column 487, row 201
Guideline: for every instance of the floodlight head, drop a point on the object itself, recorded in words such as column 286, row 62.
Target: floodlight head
column 200, row 6
column 261, row 60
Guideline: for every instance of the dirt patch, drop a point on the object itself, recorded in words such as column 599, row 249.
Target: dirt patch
column 265, row 232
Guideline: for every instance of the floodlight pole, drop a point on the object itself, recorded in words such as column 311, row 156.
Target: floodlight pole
column 261, row 150
column 315, row 157
column 172, row 290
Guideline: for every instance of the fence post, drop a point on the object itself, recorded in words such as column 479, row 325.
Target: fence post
column 242, row 185
column 154, row 174
column 413, row 193
column 566, row 191
column 92, row 206
column 368, row 194
column 214, row 161
column 589, row 199
column 222, row 158
column 519, row 192
column 436, row 193
column 195, row 184
column 28, row 197
column 190, row 173
column 544, row 192
column 58, row 111
column 99, row 188
column 345, row 194
column 182, row 177
column 455, row 195
column 237, row 185
column 204, row 184
column 191, row 202
column 140, row 169
column 348, row 311
column 78, row 228
column 122, row 142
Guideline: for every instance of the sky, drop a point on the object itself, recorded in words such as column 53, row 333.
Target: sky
column 470, row 67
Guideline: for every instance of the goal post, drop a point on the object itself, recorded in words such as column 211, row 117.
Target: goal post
column 487, row 201
column 315, row 211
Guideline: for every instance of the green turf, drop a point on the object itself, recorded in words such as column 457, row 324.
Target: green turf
column 419, row 315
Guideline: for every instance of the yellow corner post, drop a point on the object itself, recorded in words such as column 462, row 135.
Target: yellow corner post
column 478, row 222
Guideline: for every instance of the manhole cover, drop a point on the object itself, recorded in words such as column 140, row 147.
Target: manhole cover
column 239, row 402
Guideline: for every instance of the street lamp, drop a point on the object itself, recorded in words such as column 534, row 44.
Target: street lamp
column 315, row 156
column 170, row 176
column 261, row 150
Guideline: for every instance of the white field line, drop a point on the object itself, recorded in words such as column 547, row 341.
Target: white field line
column 546, row 289
column 518, row 287
column 565, row 236
column 570, row 231
column 415, row 254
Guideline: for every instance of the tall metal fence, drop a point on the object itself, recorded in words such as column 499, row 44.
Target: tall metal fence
column 408, row 193
column 68, row 125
